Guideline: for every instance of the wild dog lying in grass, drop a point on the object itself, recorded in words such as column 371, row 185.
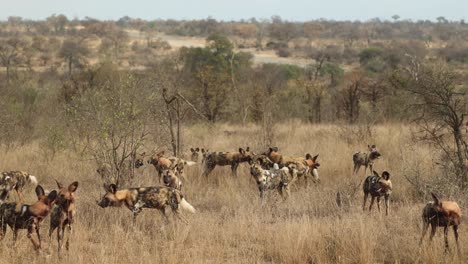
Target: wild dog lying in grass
column 16, row 180
column 377, row 187
column 162, row 163
column 232, row 159
column 63, row 213
column 443, row 214
column 158, row 197
column 23, row 216
column 274, row 179
column 365, row 159
column 305, row 166
column 170, row 179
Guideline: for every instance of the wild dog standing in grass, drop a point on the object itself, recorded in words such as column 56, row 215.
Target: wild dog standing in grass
column 27, row 217
column 171, row 180
column 16, row 180
column 63, row 214
column 443, row 214
column 377, row 187
column 158, row 197
column 365, row 159
column 161, row 163
column 232, row 159
column 195, row 154
column 205, row 153
column 305, row 166
column 274, row 179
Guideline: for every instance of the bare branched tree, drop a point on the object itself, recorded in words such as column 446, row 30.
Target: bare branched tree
column 441, row 110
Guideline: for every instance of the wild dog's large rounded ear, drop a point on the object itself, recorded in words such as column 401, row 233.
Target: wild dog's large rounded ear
column 192, row 150
column 52, row 196
column 275, row 149
column 241, row 150
column 376, row 174
column 386, row 175
column 39, row 191
column 436, row 199
column 203, row 150
column 315, row 158
column 113, row 188
column 247, row 149
column 72, row 187
column 59, row 185
column 308, row 156
column 197, row 149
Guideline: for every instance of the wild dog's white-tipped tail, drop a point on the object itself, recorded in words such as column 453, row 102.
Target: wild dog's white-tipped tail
column 191, row 163
column 187, row 207
column 33, row 180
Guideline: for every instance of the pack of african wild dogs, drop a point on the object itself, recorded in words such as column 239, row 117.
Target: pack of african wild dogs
column 271, row 169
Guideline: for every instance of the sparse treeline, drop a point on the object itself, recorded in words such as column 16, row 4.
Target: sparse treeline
column 94, row 84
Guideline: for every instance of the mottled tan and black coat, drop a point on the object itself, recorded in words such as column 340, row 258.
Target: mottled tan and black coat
column 25, row 216
column 232, row 159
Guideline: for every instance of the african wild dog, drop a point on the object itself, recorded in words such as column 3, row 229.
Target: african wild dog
column 274, row 179
column 195, row 154
column 16, row 180
column 232, row 159
column 443, row 214
column 158, row 197
column 138, row 159
column 205, row 153
column 305, row 166
column 377, row 187
column 23, row 216
column 170, row 179
column 63, row 213
column 162, row 163
column 365, row 159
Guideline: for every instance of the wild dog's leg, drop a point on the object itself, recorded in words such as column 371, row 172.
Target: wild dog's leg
column 425, row 227
column 208, row 169
column 378, row 203
column 31, row 229
column 387, row 204
column 234, row 168
column 446, row 238
column 433, row 230
column 356, row 167
column 3, row 230
column 371, row 203
column 67, row 244
column 365, row 200
column 15, row 234
column 455, row 232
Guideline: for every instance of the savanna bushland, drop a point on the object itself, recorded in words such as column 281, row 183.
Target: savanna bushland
column 76, row 94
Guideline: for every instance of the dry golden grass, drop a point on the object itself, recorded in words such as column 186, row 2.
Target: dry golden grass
column 231, row 225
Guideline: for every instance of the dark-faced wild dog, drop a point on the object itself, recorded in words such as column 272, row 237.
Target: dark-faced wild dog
column 23, row 216
column 170, row 179
column 443, row 214
column 194, row 154
column 63, row 213
column 377, row 187
column 305, row 166
column 365, row 159
column 157, row 197
column 273, row 179
column 16, row 180
column 232, row 159
column 138, row 159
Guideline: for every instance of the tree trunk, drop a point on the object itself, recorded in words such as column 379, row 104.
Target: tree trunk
column 70, row 60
